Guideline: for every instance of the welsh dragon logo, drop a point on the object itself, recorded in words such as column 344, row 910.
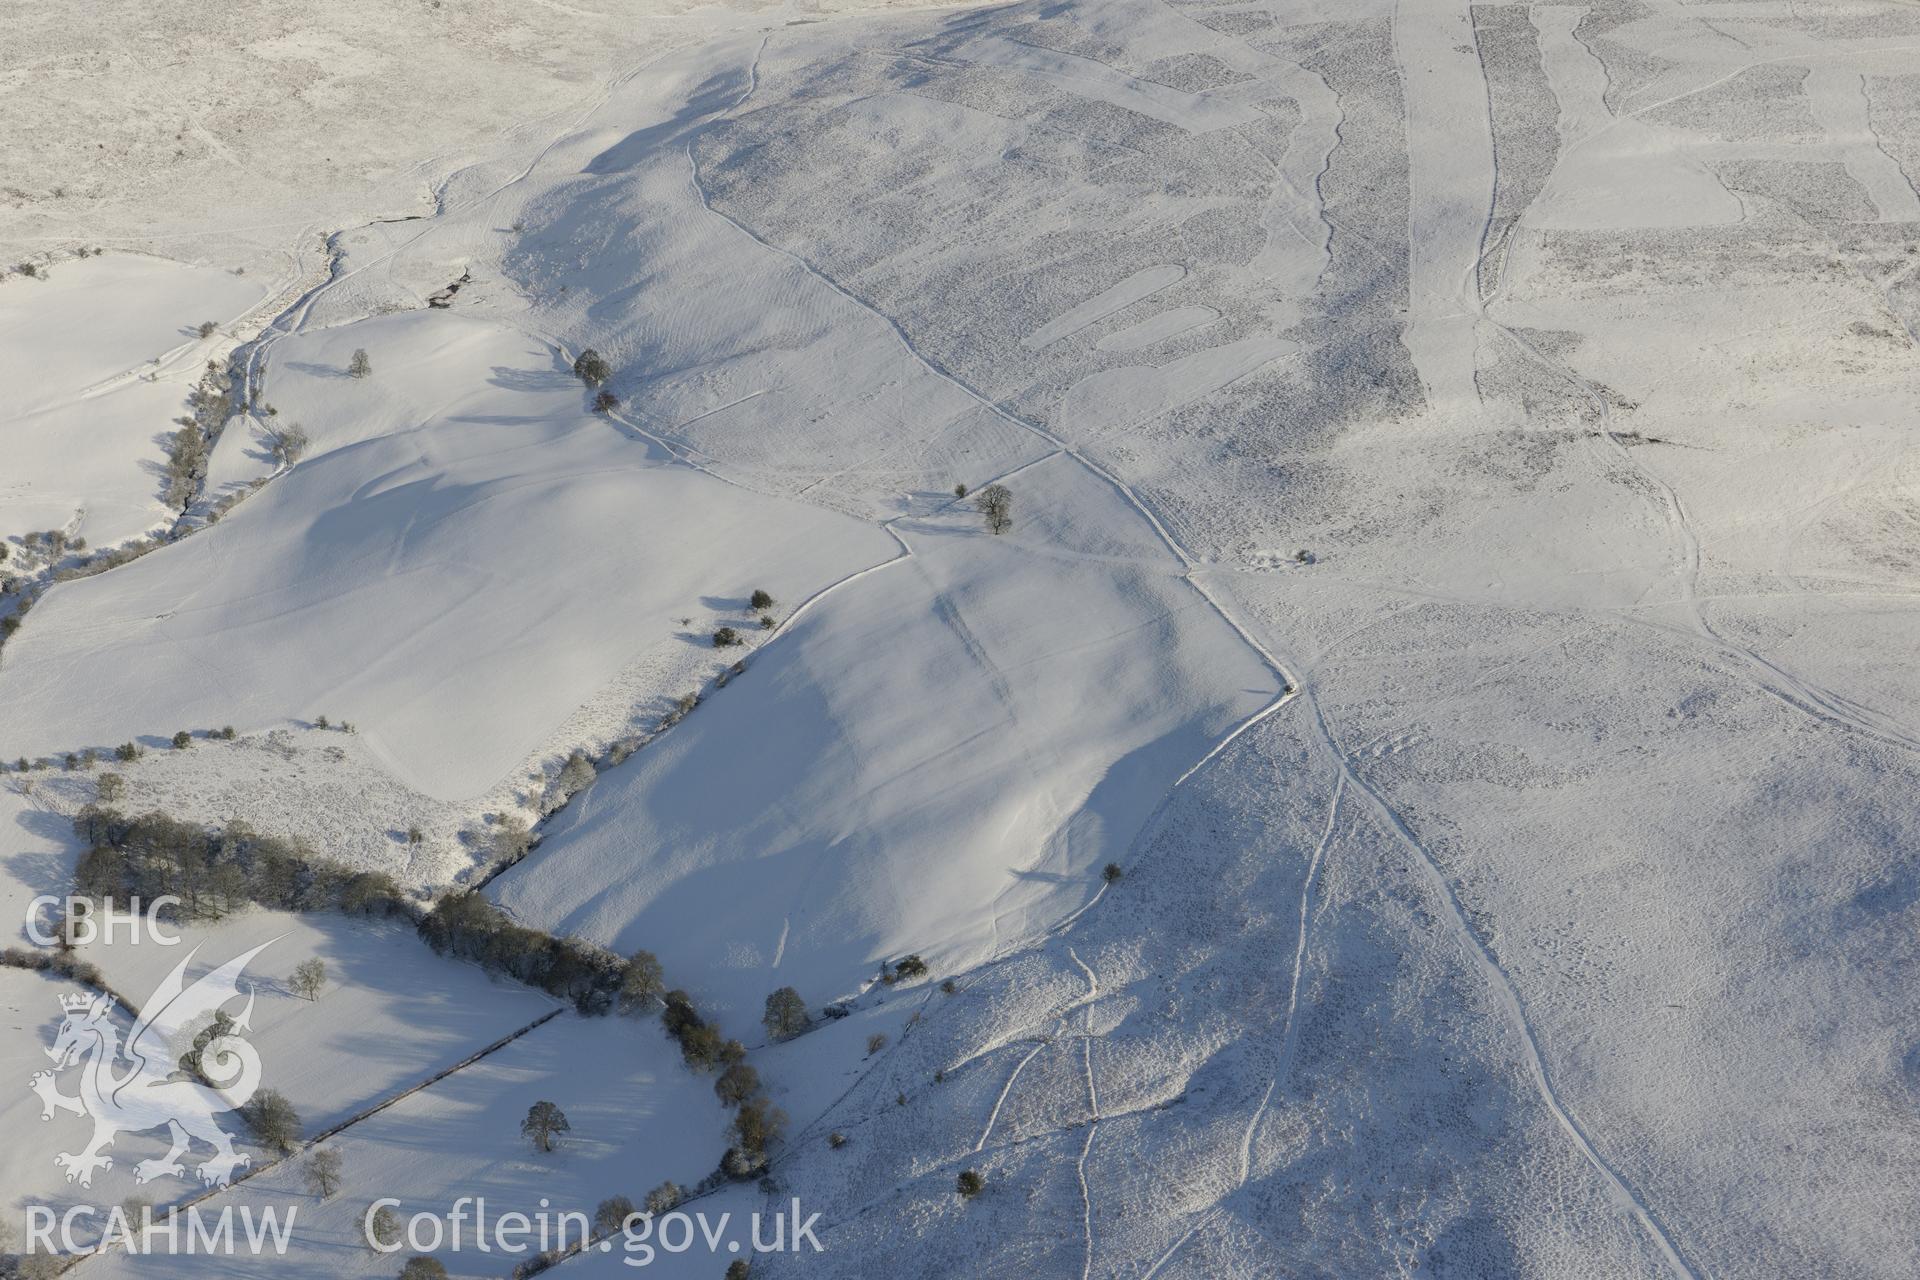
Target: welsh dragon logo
column 143, row 1085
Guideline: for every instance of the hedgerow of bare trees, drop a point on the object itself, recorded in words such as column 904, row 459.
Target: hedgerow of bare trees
column 186, row 462
column 701, row 1044
column 611, row 1214
column 214, row 873
column 469, row 927
column 210, row 404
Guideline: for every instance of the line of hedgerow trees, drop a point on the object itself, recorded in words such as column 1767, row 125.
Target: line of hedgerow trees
column 217, row 873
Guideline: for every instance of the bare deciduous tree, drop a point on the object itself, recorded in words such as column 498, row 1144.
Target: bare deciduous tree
column 995, row 502
column 591, row 368
column 511, row 837
column 323, row 1172
column 273, row 1120
column 309, row 979
column 786, row 1014
column 575, row 774
column 381, row 1227
column 611, row 1215
column 287, row 444
column 641, row 984
column 736, row 1084
column 544, row 1125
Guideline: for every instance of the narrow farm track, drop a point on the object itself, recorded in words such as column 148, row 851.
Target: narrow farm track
column 1508, row 996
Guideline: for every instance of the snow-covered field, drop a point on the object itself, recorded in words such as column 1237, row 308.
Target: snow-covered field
column 481, row 525
column 1461, row 576
column 638, row 1117
column 94, row 362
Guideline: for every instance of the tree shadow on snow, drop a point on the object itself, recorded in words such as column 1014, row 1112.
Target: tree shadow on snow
column 508, row 378
column 313, row 370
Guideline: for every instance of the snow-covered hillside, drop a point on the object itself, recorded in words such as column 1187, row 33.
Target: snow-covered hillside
column 480, row 524
column 936, row 759
column 1424, row 785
